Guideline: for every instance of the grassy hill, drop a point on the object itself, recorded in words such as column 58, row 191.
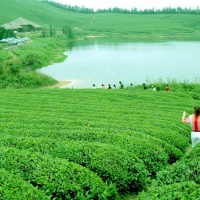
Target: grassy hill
column 127, row 25
column 123, row 136
column 41, row 13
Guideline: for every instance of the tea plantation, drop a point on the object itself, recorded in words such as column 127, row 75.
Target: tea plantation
column 96, row 144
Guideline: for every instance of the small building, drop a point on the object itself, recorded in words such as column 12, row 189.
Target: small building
column 22, row 25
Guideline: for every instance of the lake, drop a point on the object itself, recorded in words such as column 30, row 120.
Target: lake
column 103, row 61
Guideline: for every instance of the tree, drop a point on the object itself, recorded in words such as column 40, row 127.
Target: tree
column 67, row 30
column 6, row 33
column 48, row 31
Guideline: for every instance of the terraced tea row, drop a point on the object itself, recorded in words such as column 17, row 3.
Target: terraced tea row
column 125, row 137
column 179, row 181
column 55, row 177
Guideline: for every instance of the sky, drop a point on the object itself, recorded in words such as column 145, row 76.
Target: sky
column 129, row 4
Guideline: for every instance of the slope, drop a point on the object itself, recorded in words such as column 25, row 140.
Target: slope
column 41, row 13
column 106, row 24
column 124, row 136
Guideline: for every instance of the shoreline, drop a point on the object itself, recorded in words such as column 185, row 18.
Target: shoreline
column 60, row 84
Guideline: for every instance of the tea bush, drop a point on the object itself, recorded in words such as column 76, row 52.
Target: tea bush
column 186, row 169
column 101, row 130
column 187, row 190
column 111, row 163
column 173, row 152
column 195, row 153
column 14, row 187
column 153, row 156
column 55, row 177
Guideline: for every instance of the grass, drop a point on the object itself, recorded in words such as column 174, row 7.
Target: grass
column 41, row 13
column 18, row 63
column 145, row 25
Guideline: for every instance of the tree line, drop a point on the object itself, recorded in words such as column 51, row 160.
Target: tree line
column 166, row 10
column 70, row 8
column 50, row 31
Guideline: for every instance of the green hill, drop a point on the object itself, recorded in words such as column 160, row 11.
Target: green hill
column 40, row 12
column 127, row 25
column 123, row 136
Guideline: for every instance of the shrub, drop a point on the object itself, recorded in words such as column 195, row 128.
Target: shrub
column 25, row 79
column 187, row 169
column 33, row 59
column 14, row 187
column 15, row 69
column 111, row 163
column 173, row 153
column 57, row 178
column 195, row 153
column 171, row 137
column 184, row 191
column 153, row 156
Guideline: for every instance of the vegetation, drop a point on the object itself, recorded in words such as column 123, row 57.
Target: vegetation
column 179, row 181
column 6, row 33
column 55, row 128
column 14, row 186
column 19, row 62
column 62, row 25
column 166, row 10
column 184, row 190
column 82, row 24
column 58, row 179
column 91, row 155
column 93, row 144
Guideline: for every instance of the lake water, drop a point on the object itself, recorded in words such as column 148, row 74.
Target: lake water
column 106, row 62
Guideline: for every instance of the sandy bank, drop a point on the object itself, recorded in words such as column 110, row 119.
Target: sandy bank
column 60, row 84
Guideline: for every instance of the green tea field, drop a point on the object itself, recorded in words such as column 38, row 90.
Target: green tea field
column 94, row 144
column 176, row 26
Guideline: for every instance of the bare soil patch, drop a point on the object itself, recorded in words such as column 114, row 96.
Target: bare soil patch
column 59, row 84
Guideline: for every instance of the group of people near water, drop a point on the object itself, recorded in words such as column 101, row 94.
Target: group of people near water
column 154, row 87
column 193, row 119
column 121, row 86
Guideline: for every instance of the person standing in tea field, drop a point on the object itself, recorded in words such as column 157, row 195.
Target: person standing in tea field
column 109, row 86
column 121, row 85
column 131, row 86
column 144, row 85
column 103, row 86
column 167, row 88
column 194, row 121
column 154, row 88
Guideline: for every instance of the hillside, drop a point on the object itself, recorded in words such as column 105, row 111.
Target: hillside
column 124, row 136
column 103, row 24
column 41, row 13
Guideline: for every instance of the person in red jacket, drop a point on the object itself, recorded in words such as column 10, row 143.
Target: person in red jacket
column 167, row 88
column 194, row 121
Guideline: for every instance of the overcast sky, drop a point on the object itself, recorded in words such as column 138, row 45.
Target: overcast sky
column 128, row 4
